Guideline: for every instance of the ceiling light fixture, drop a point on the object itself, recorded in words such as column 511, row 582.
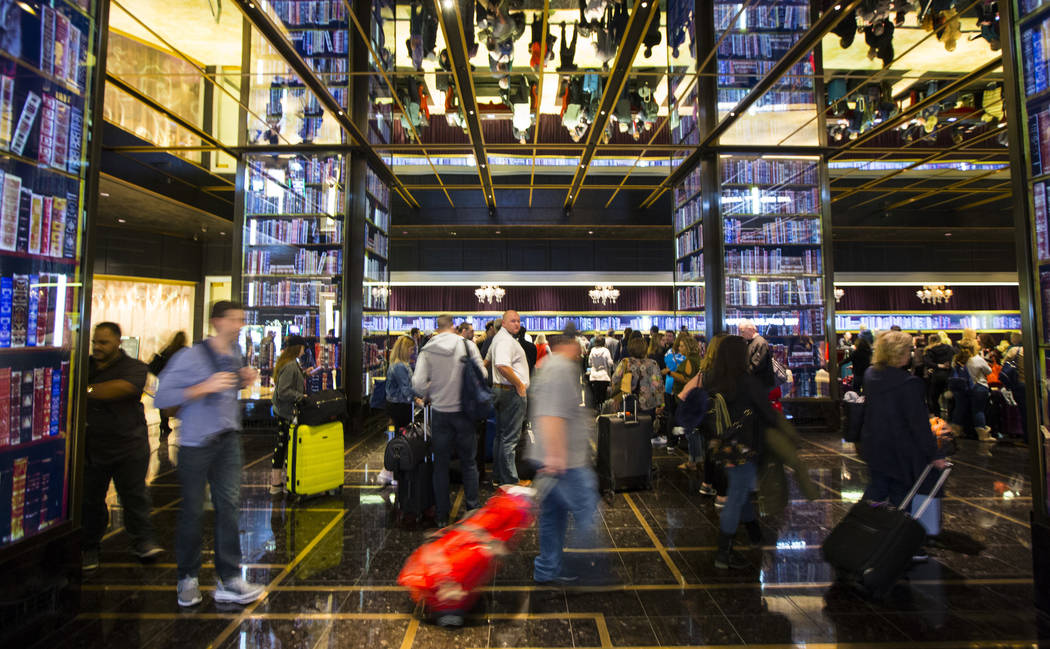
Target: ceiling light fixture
column 104, row 194
column 122, row 220
column 489, row 293
column 839, row 294
column 933, row 294
column 380, row 292
column 604, row 293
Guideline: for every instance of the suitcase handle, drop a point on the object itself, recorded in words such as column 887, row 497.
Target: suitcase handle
column 933, row 492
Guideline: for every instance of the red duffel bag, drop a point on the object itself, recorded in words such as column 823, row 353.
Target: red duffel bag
column 445, row 573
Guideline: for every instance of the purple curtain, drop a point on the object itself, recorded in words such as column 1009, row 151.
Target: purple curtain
column 902, row 298
column 573, row 299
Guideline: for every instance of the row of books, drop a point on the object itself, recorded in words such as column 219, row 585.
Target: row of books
column 795, row 292
column 321, row 41
column 377, row 188
column 685, row 130
column 318, row 12
column 772, row 101
column 332, row 71
column 770, row 201
column 929, row 322
column 779, row 232
column 690, row 297
column 808, row 322
column 756, row 46
column 376, row 241
column 772, row 261
column 63, row 48
column 687, row 215
column 1042, row 228
column 779, row 16
column 307, row 200
column 262, row 232
column 379, row 216
column 1044, row 292
column 736, row 72
column 1035, row 52
column 321, row 170
column 744, row 171
column 32, row 402
column 37, row 224
column 286, row 293
column 36, row 494
column 307, row 262
column 691, row 269
column 373, row 301
column 61, row 132
column 375, row 270
column 33, row 310
column 689, row 242
column 688, row 188
column 1039, row 139
column 305, row 324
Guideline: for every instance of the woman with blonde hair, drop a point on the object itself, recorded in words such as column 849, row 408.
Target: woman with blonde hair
column 896, row 439
column 399, row 393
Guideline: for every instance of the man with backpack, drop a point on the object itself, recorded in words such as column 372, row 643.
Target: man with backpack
column 438, row 378
column 203, row 381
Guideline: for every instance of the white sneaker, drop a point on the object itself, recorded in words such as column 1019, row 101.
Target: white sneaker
column 385, row 477
column 660, row 441
column 189, row 591
column 678, row 431
column 236, row 591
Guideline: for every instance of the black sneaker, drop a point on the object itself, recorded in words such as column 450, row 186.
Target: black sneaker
column 148, row 550
column 730, row 561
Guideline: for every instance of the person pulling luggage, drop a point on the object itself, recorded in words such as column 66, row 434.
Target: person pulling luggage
column 290, row 382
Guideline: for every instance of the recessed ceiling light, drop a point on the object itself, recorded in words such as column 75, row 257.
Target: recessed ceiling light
column 645, row 5
column 471, row 112
column 104, row 194
column 590, row 231
column 497, row 231
column 448, row 4
column 222, row 234
column 122, row 220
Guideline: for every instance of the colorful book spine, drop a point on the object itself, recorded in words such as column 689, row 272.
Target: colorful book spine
column 7, row 110
column 7, row 293
column 46, row 149
column 56, row 401
column 34, row 309
column 62, row 120
column 5, row 406
column 36, row 215
column 25, row 122
column 76, row 139
column 20, row 311
column 69, row 247
column 47, row 39
column 18, row 497
column 39, row 402
column 45, row 225
column 64, row 400
column 25, row 208
column 73, row 59
column 25, row 433
column 43, row 295
column 61, row 47
column 9, row 197
column 58, row 225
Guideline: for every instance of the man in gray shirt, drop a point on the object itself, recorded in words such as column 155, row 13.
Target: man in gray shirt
column 563, row 452
column 202, row 381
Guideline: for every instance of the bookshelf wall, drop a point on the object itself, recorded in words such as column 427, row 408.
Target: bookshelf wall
column 376, row 284
column 46, row 81
column 689, row 245
column 291, row 261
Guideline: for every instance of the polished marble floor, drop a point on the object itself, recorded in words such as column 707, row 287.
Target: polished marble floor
column 330, row 565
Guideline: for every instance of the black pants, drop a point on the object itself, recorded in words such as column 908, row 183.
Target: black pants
column 400, row 413
column 129, row 476
column 600, row 390
column 280, row 449
column 936, row 384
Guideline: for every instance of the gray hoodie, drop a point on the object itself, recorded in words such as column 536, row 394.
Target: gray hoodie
column 439, row 370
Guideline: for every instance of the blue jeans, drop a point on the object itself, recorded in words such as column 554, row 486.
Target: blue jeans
column 961, row 408
column 219, row 465
column 453, row 431
column 574, row 491
column 978, row 403
column 510, row 411
column 738, row 507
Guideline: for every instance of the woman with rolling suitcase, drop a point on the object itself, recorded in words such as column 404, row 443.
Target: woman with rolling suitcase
column 290, row 385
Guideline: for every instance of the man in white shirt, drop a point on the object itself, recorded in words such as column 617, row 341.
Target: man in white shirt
column 510, row 380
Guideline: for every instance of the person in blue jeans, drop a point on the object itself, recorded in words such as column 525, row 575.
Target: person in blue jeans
column 202, row 381
column 510, row 382
column 566, row 480
column 736, row 441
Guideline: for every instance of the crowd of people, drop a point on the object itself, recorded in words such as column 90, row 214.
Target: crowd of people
column 976, row 383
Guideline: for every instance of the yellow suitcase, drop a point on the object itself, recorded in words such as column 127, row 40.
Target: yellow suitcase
column 315, row 459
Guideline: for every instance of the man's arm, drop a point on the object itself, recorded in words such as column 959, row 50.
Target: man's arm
column 113, row 390
column 177, row 384
column 421, row 377
column 554, row 435
column 500, row 358
column 512, row 376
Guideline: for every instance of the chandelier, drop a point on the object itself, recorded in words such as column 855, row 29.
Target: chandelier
column 839, row 294
column 380, row 292
column 933, row 294
column 604, row 293
column 489, row 293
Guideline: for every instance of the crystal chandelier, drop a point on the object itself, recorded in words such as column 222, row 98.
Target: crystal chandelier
column 839, row 294
column 489, row 293
column 381, row 291
column 934, row 294
column 604, row 293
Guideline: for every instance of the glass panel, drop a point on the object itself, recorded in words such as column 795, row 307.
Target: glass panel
column 376, row 286
column 46, row 76
column 293, row 262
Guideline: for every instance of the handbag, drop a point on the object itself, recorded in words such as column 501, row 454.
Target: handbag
column 321, row 408
column 474, row 396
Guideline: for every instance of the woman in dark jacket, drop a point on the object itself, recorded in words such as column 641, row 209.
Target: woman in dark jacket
column 896, row 439
column 737, row 444
column 289, row 387
column 937, row 360
column 861, row 358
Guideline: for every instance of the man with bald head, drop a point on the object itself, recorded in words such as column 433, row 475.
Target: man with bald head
column 759, row 360
column 510, row 381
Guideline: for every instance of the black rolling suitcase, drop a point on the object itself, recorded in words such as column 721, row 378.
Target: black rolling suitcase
column 625, row 452
column 410, row 459
column 873, row 546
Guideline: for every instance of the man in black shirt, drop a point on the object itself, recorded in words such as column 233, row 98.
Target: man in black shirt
column 117, row 446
